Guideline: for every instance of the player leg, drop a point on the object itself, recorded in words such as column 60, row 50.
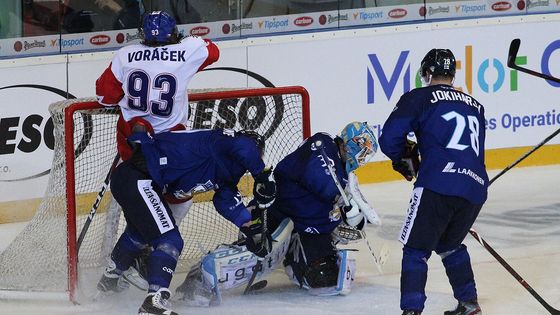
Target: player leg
column 129, row 246
column 138, row 272
column 148, row 214
column 426, row 220
column 455, row 257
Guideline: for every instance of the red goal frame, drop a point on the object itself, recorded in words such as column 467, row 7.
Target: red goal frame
column 72, row 251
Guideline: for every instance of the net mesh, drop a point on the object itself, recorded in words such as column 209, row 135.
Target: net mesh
column 37, row 260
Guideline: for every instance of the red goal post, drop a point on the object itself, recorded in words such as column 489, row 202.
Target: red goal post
column 83, row 159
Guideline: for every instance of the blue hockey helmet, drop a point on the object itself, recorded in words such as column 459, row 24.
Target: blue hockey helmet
column 158, row 27
column 360, row 142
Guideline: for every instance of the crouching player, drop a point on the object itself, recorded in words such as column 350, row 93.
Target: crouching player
column 307, row 210
column 182, row 163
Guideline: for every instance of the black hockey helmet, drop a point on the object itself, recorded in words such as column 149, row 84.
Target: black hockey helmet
column 259, row 140
column 439, row 62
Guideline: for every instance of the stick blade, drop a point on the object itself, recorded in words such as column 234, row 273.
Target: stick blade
column 513, row 49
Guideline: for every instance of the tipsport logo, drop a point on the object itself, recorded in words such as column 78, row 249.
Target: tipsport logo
column 387, row 75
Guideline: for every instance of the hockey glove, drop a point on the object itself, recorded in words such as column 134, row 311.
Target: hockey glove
column 410, row 162
column 351, row 215
column 353, row 190
column 257, row 239
column 264, row 188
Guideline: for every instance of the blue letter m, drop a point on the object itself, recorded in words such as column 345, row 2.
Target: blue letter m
column 387, row 85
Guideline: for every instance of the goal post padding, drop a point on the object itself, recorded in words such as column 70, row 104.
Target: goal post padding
column 43, row 257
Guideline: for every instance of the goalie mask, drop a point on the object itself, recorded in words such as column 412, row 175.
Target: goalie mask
column 158, row 28
column 360, row 143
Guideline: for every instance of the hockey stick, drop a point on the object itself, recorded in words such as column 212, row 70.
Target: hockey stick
column 520, row 279
column 259, row 265
column 495, row 254
column 524, row 156
column 512, row 55
column 96, row 203
column 384, row 253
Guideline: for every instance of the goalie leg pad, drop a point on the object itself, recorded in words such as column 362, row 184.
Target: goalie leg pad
column 346, row 272
column 331, row 274
column 343, row 274
column 231, row 266
column 200, row 287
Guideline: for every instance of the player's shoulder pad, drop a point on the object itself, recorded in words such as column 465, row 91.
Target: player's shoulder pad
column 322, row 136
column 193, row 40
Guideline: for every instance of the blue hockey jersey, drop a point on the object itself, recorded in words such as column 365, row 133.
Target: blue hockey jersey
column 306, row 190
column 450, row 129
column 191, row 162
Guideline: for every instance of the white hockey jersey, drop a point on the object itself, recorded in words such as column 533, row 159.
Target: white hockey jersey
column 151, row 82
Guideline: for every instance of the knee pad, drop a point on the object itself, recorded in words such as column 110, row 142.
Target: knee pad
column 416, row 253
column 170, row 243
column 134, row 239
column 322, row 272
column 445, row 253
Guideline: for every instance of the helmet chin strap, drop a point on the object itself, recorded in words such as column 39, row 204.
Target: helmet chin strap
column 427, row 79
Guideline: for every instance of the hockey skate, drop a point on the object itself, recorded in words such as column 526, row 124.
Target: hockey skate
column 111, row 281
column 157, row 303
column 465, row 308
column 411, row 313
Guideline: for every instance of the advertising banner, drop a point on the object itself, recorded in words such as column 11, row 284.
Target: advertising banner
column 541, row 6
column 350, row 75
column 26, row 128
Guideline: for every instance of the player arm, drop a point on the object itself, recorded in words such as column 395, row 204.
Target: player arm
column 108, row 88
column 213, row 54
column 316, row 177
column 401, row 122
column 206, row 52
column 393, row 141
column 228, row 202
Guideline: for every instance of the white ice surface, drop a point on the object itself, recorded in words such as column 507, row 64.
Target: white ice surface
column 521, row 220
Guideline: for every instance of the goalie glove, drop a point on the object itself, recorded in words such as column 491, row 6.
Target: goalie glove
column 257, row 239
column 351, row 215
column 410, row 162
column 264, row 188
column 357, row 198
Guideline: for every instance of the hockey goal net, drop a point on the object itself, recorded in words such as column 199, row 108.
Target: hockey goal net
column 44, row 256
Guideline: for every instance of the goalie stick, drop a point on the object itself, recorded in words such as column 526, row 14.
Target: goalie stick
column 384, row 253
column 96, row 203
column 512, row 55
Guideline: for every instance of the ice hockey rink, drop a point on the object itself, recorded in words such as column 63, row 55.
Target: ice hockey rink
column 521, row 220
